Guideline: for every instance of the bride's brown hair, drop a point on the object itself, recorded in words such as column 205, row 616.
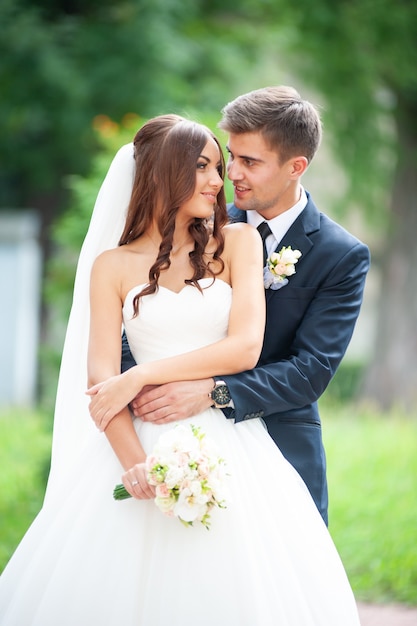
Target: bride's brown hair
column 166, row 151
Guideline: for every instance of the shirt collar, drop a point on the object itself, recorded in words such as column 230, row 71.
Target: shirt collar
column 281, row 223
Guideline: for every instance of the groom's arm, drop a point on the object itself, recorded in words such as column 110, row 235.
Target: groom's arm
column 316, row 350
column 179, row 400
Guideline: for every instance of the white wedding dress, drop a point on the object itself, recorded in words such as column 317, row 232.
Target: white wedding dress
column 267, row 560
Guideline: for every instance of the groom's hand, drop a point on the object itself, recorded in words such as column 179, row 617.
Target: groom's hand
column 173, row 401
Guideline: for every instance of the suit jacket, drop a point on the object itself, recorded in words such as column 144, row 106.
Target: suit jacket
column 309, row 324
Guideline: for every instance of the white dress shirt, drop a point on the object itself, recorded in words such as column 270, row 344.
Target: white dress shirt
column 279, row 224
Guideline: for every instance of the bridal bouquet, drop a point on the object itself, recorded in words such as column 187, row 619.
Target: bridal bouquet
column 187, row 473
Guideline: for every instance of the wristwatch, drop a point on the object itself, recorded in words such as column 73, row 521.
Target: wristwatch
column 220, row 395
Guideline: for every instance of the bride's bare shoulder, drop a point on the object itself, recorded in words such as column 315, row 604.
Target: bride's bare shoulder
column 121, row 253
column 117, row 260
column 240, row 232
column 123, row 266
column 110, row 257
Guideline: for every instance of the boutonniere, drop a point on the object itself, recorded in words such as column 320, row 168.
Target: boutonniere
column 279, row 266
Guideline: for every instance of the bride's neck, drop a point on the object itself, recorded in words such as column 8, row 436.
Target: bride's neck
column 180, row 241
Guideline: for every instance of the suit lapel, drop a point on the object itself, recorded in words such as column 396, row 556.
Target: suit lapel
column 297, row 236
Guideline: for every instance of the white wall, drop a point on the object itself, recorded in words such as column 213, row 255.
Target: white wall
column 20, row 286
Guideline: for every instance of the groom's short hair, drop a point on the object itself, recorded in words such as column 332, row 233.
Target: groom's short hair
column 290, row 125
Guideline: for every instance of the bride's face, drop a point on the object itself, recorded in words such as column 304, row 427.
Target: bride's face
column 208, row 184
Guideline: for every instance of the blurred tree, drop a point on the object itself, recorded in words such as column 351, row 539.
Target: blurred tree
column 64, row 62
column 39, row 111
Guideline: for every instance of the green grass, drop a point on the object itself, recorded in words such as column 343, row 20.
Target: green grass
column 372, row 471
column 24, row 453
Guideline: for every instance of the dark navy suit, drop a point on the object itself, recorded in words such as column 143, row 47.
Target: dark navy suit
column 309, row 324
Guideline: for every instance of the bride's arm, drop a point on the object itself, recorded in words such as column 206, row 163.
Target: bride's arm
column 104, row 353
column 238, row 351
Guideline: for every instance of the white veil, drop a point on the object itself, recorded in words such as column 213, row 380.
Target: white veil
column 72, row 421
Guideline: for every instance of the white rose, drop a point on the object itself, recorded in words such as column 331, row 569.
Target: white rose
column 188, row 508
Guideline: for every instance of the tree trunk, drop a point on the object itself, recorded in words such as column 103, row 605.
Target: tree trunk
column 391, row 379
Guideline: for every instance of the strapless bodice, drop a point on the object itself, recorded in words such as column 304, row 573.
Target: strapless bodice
column 171, row 323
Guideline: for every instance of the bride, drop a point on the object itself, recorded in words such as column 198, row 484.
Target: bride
column 188, row 291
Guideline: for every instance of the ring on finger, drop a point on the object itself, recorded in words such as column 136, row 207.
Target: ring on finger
column 134, row 483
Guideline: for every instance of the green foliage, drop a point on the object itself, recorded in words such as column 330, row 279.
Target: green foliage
column 45, row 106
column 371, row 470
column 61, row 65
column 25, row 452
column 361, row 55
column 345, row 384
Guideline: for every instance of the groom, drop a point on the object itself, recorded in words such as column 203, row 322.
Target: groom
column 273, row 136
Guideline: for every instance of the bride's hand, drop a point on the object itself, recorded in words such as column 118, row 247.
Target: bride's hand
column 109, row 397
column 136, row 483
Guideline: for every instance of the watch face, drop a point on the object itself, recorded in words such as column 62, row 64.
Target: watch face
column 221, row 395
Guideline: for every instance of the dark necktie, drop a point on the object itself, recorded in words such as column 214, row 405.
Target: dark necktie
column 264, row 231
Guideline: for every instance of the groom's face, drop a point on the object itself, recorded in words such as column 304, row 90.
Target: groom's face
column 260, row 182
